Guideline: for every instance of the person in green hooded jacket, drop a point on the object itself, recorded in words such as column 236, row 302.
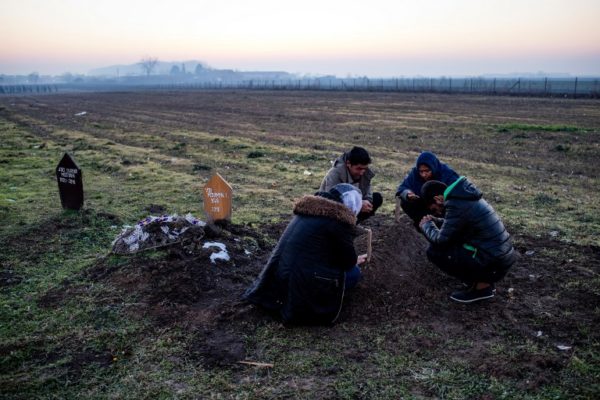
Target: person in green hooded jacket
column 470, row 242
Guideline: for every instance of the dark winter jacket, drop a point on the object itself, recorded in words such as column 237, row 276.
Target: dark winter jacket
column 338, row 173
column 472, row 223
column 413, row 181
column 304, row 279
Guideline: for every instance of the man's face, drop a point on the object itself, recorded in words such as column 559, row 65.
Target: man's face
column 425, row 172
column 356, row 170
column 437, row 207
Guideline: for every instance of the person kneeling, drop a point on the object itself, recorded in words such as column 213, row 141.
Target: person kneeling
column 314, row 262
column 470, row 242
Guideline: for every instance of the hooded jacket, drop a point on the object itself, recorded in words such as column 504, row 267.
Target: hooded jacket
column 413, row 181
column 304, row 279
column 472, row 223
column 338, row 173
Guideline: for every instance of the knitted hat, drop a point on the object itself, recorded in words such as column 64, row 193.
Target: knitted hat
column 431, row 189
column 349, row 195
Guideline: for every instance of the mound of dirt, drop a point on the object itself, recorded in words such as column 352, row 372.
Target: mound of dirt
column 190, row 279
column 397, row 267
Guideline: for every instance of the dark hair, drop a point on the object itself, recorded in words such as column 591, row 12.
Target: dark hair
column 358, row 155
column 431, row 189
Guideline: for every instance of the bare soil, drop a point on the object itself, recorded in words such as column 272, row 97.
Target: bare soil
column 375, row 119
column 400, row 287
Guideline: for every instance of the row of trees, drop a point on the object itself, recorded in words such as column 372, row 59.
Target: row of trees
column 148, row 65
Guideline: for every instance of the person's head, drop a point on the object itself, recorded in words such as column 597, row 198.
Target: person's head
column 357, row 162
column 427, row 166
column 432, row 194
column 425, row 172
column 348, row 195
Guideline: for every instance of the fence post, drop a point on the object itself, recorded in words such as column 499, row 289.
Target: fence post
column 575, row 88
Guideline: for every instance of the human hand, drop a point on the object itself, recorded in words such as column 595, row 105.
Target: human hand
column 410, row 196
column 366, row 206
column 424, row 220
column 361, row 259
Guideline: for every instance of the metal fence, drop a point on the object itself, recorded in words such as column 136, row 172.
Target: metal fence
column 28, row 89
column 571, row 87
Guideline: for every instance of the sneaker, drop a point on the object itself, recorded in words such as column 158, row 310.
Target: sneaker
column 471, row 295
column 471, row 285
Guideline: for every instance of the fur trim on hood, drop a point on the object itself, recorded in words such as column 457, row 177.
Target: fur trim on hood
column 321, row 207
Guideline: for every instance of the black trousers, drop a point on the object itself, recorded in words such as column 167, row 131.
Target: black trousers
column 459, row 262
column 377, row 202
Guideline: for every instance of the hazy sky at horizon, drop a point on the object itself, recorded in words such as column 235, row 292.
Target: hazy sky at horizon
column 375, row 38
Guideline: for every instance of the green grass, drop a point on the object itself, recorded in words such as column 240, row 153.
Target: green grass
column 538, row 128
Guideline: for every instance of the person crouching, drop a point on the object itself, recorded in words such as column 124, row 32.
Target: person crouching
column 470, row 242
column 314, row 262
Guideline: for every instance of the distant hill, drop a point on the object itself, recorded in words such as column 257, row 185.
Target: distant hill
column 162, row 68
column 185, row 71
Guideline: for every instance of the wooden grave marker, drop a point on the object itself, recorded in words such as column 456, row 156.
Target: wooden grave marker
column 217, row 198
column 70, row 183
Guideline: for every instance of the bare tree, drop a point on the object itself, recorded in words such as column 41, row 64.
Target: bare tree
column 148, row 64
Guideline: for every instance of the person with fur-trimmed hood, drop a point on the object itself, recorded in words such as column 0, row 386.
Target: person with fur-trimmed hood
column 470, row 242
column 427, row 168
column 314, row 262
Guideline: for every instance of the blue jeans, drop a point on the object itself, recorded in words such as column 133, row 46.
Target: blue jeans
column 353, row 277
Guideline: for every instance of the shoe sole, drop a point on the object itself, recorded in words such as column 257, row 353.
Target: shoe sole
column 472, row 300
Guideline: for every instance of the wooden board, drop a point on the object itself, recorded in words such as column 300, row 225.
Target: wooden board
column 217, row 198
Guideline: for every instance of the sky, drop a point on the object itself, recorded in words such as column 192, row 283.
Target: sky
column 376, row 38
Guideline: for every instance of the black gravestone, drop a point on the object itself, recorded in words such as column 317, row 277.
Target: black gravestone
column 70, row 184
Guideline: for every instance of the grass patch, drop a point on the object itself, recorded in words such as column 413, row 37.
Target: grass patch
column 503, row 128
column 255, row 154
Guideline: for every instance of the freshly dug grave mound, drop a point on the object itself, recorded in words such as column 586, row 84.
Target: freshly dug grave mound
column 198, row 280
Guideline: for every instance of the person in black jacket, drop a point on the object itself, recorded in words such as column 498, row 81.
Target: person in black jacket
column 470, row 242
column 314, row 261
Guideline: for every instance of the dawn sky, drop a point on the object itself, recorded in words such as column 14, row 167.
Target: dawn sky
column 378, row 38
